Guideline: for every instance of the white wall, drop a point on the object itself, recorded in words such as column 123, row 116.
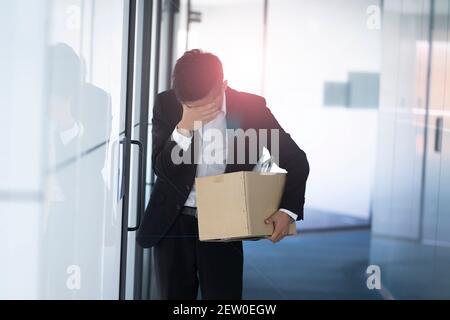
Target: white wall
column 311, row 42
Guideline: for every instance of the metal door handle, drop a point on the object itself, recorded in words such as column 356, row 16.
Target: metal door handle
column 438, row 134
column 140, row 196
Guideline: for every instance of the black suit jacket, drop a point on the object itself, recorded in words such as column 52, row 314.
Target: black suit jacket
column 174, row 181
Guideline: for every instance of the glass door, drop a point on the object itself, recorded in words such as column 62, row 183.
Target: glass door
column 88, row 150
column 74, row 104
column 436, row 217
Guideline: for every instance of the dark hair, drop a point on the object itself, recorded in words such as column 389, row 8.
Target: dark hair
column 195, row 74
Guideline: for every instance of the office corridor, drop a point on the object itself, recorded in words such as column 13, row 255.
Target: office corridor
column 361, row 86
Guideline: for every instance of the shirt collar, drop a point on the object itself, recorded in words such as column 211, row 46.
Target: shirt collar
column 224, row 103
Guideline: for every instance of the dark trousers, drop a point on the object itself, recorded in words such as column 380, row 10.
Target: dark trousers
column 182, row 263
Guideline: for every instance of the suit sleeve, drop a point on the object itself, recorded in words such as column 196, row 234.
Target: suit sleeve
column 290, row 157
column 163, row 146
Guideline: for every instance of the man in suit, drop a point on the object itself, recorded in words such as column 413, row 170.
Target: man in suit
column 199, row 101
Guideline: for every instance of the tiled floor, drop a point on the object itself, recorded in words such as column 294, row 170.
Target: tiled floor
column 309, row 266
column 412, row 269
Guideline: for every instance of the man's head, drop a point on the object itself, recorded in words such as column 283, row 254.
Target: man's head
column 66, row 70
column 198, row 78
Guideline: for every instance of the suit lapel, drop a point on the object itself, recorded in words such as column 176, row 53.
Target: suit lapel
column 234, row 120
column 233, row 117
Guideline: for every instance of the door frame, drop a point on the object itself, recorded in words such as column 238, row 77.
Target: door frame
column 127, row 146
column 143, row 133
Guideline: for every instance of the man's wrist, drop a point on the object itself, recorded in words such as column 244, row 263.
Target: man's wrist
column 182, row 129
column 290, row 214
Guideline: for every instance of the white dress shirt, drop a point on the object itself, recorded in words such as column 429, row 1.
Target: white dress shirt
column 205, row 166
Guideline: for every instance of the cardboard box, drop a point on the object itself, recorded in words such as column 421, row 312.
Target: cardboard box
column 233, row 206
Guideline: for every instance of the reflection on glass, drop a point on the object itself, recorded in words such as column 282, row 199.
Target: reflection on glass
column 83, row 209
column 80, row 113
column 78, row 202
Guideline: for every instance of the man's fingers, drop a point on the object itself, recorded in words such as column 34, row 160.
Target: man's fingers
column 269, row 220
column 274, row 237
column 206, row 109
column 210, row 114
column 281, row 226
column 280, row 236
column 278, row 228
column 278, row 233
column 201, row 112
column 210, row 117
column 202, row 120
column 209, row 111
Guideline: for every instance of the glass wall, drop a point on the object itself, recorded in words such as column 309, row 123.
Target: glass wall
column 22, row 113
column 411, row 220
column 397, row 192
column 61, row 198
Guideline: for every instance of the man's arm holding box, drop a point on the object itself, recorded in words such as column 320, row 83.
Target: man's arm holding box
column 294, row 161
